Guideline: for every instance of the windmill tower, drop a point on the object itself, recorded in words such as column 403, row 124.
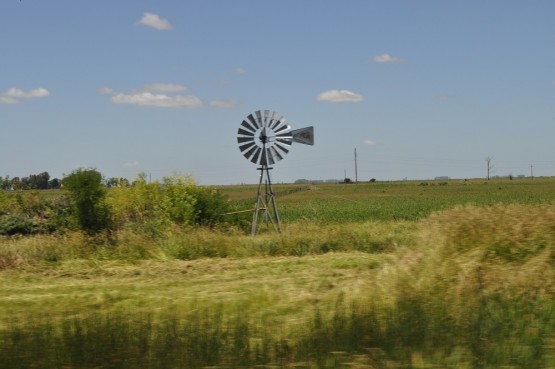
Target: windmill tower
column 264, row 139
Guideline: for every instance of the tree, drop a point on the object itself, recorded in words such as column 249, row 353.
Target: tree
column 489, row 165
column 16, row 183
column 37, row 181
column 5, row 183
column 88, row 196
column 54, row 183
column 117, row 182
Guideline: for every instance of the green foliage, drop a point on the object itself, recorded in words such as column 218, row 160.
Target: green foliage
column 88, row 198
column 209, row 206
column 155, row 207
column 30, row 212
column 178, row 201
column 140, row 204
column 18, row 224
column 5, row 203
column 41, row 181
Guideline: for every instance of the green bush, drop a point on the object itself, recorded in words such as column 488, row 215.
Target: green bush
column 88, row 198
column 140, row 205
column 154, row 207
column 209, row 207
column 18, row 224
column 178, row 201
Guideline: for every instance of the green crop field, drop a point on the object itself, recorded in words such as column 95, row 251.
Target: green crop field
column 409, row 200
column 414, row 274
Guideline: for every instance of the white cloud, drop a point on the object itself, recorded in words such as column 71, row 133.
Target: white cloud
column 157, row 100
column 18, row 93
column 368, row 142
column 15, row 95
column 154, row 21
column 148, row 96
column 224, row 103
column 131, row 164
column 163, row 87
column 240, row 70
column 386, row 58
column 339, row 96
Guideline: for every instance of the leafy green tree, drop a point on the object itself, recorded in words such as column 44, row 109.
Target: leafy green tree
column 88, row 197
column 41, row 181
column 54, row 183
column 115, row 182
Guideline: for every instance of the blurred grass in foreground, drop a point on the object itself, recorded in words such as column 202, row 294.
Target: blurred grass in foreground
column 470, row 287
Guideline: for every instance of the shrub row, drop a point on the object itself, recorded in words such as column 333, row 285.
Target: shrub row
column 85, row 203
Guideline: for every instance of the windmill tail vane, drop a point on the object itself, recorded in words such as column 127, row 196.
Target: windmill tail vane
column 264, row 139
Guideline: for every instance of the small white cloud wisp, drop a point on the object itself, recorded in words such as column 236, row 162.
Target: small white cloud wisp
column 157, row 100
column 368, row 142
column 16, row 95
column 339, row 96
column 387, row 58
column 160, row 95
column 154, row 21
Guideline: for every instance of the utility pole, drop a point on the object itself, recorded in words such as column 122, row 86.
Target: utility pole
column 489, row 165
column 532, row 170
column 356, row 171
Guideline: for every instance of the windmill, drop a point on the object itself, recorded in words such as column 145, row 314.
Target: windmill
column 264, row 139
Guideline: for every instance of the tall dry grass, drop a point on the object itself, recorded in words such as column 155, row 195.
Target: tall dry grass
column 188, row 243
column 478, row 290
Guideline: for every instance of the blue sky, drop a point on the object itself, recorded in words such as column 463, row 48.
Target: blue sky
column 420, row 88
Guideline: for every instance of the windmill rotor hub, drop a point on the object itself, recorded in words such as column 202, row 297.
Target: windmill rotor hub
column 264, row 138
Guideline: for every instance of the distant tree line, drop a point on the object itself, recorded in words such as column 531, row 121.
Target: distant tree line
column 41, row 181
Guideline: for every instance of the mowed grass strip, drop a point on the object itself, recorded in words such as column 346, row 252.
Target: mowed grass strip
column 282, row 290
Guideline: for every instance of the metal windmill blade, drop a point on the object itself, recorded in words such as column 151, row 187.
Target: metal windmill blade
column 263, row 137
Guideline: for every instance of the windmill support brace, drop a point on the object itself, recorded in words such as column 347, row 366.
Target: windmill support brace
column 265, row 201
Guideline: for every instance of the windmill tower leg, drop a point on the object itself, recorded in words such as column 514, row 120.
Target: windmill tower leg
column 264, row 201
column 259, row 200
column 272, row 199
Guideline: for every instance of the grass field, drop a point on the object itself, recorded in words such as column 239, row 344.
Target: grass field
column 452, row 274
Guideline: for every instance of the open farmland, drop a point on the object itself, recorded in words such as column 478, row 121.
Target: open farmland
column 457, row 274
column 404, row 200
